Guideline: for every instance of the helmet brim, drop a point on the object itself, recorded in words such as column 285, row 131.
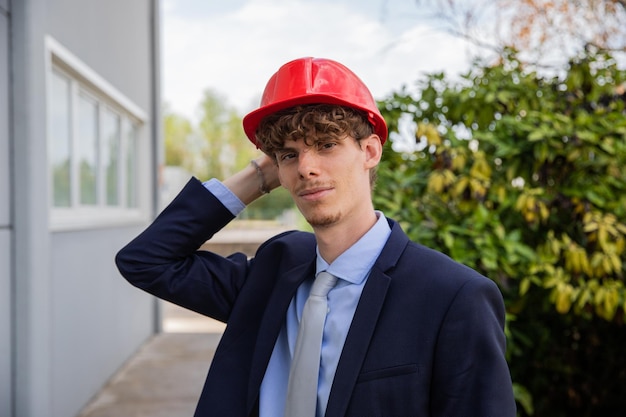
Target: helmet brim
column 252, row 120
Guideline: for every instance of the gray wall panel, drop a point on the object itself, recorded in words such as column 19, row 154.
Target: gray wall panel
column 5, row 198
column 6, row 338
column 76, row 320
column 98, row 318
column 6, row 385
column 31, row 270
column 112, row 37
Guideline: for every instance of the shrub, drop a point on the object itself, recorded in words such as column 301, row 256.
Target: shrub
column 523, row 178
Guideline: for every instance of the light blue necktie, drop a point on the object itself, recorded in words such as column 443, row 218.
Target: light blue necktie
column 305, row 366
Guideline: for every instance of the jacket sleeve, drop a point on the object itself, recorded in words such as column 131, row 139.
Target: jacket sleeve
column 471, row 376
column 164, row 259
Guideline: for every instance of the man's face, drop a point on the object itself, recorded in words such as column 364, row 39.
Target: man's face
column 329, row 180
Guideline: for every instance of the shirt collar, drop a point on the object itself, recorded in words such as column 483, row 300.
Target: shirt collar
column 354, row 264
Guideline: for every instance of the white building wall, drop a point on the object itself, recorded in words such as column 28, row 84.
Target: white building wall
column 75, row 319
column 6, row 339
column 32, row 326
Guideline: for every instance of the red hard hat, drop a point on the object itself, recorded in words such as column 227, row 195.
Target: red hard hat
column 315, row 81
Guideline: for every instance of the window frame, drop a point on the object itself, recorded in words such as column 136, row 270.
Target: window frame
column 83, row 81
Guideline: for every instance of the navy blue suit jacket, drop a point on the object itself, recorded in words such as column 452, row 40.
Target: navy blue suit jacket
column 426, row 339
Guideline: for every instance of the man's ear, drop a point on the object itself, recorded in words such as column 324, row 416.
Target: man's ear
column 373, row 148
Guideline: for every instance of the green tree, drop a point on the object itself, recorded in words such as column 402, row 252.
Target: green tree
column 522, row 178
column 217, row 148
column 225, row 148
column 177, row 132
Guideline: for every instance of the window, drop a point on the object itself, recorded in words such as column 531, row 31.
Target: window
column 93, row 147
column 59, row 139
column 87, row 151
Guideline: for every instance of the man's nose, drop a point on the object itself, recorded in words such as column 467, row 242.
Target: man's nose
column 308, row 163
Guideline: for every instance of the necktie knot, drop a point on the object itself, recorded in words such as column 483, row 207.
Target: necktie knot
column 323, row 283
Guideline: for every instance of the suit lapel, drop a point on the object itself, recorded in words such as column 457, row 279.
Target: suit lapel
column 364, row 322
column 271, row 324
column 357, row 342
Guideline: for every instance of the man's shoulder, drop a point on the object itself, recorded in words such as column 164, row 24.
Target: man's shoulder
column 422, row 260
column 436, row 259
column 297, row 245
column 291, row 236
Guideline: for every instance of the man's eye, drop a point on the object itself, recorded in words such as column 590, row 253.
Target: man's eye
column 286, row 156
column 327, row 145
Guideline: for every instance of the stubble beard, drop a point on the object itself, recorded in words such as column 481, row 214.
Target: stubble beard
column 317, row 218
column 323, row 220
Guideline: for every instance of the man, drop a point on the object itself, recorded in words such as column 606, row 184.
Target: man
column 407, row 331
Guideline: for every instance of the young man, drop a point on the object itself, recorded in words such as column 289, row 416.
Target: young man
column 407, row 331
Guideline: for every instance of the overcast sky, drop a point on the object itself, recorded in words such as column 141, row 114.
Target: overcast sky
column 234, row 46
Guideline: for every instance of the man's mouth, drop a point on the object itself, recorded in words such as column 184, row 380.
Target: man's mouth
column 313, row 193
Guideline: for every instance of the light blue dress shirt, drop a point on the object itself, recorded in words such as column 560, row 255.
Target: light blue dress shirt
column 352, row 268
column 226, row 197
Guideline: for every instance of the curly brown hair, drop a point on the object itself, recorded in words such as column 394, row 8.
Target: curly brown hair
column 311, row 123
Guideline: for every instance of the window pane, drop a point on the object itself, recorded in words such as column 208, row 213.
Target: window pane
column 88, row 150
column 111, row 156
column 131, row 164
column 59, row 131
